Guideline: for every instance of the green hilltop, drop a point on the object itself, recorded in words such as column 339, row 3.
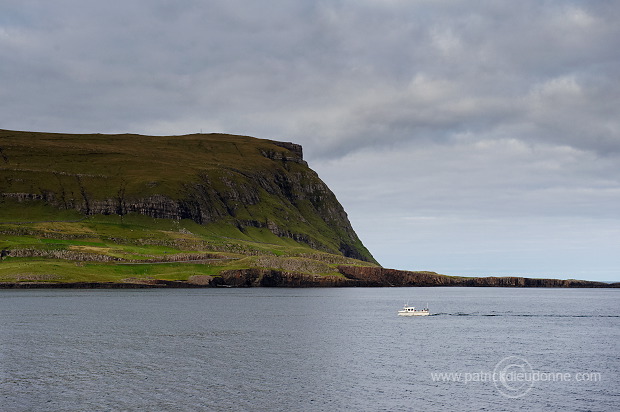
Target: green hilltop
column 130, row 208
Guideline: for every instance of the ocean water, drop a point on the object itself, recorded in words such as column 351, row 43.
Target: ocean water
column 309, row 350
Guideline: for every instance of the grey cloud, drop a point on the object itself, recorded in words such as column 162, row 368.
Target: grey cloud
column 337, row 74
column 493, row 178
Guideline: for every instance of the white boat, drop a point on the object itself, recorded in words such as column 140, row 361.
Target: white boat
column 412, row 311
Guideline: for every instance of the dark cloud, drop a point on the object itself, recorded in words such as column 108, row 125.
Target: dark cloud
column 460, row 109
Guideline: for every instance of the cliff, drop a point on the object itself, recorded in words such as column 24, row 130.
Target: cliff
column 373, row 276
column 249, row 184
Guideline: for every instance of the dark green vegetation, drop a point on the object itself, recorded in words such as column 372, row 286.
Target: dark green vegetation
column 132, row 208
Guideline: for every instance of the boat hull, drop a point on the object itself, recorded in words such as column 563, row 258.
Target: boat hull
column 416, row 313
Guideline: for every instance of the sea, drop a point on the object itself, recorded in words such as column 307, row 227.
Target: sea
column 316, row 349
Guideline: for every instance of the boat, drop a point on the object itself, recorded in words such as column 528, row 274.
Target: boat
column 412, row 311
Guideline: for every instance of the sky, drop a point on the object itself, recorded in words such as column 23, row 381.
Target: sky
column 472, row 138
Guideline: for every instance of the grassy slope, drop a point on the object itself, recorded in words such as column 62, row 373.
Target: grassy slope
column 146, row 165
column 143, row 166
column 27, row 226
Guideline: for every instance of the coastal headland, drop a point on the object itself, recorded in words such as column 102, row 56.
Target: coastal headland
column 200, row 210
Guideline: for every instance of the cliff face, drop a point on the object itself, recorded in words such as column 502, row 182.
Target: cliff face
column 378, row 277
column 236, row 180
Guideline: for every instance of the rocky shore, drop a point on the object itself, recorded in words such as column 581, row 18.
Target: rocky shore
column 350, row 276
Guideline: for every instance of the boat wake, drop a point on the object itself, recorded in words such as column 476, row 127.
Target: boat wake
column 523, row 315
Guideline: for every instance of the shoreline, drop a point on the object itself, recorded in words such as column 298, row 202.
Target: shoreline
column 272, row 278
column 184, row 285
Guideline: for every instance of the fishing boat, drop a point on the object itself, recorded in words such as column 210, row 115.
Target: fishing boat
column 412, row 311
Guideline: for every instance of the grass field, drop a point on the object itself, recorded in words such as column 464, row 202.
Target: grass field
column 47, row 245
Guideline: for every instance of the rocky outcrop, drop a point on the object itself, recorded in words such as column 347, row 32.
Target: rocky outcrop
column 362, row 276
column 201, row 280
column 277, row 278
column 375, row 276
column 61, row 254
column 78, row 256
column 281, row 156
column 294, row 148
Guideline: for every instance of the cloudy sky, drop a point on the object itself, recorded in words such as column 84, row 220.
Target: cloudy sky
column 463, row 137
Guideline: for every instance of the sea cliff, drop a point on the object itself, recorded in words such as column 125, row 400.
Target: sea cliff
column 240, row 181
column 349, row 276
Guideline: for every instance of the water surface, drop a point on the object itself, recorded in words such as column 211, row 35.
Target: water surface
column 307, row 349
